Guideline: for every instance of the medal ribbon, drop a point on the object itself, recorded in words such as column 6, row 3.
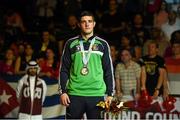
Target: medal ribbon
column 86, row 56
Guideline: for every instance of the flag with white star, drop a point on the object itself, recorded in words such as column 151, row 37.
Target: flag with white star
column 8, row 99
column 8, row 102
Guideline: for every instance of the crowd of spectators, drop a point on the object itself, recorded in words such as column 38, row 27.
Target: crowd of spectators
column 38, row 29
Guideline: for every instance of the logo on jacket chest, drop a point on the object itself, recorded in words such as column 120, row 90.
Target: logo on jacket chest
column 37, row 92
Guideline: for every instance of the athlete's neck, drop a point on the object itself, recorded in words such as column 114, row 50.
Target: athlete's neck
column 87, row 36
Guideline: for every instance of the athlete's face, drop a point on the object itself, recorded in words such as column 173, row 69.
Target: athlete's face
column 87, row 25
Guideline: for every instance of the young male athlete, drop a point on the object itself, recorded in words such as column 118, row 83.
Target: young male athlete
column 86, row 72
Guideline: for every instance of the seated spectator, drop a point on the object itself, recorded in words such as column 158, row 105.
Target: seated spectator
column 22, row 60
column 50, row 65
column 127, row 76
column 114, row 54
column 69, row 30
column 173, row 68
column 44, row 44
column 7, row 65
column 14, row 28
column 172, row 25
column 138, row 30
column 110, row 22
column 126, row 43
column 2, row 46
column 152, row 71
column 21, row 49
column 161, row 15
column 174, row 35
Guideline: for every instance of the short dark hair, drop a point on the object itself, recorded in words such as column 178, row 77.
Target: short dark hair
column 126, row 49
column 85, row 13
column 175, row 37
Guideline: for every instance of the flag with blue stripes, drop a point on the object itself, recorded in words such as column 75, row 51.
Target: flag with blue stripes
column 51, row 106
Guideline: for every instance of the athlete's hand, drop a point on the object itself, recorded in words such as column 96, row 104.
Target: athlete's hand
column 65, row 99
column 108, row 101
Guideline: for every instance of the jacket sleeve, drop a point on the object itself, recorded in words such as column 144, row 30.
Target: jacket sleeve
column 65, row 68
column 18, row 89
column 108, row 70
column 44, row 90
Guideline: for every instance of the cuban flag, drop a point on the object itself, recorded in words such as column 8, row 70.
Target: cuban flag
column 8, row 101
column 9, row 105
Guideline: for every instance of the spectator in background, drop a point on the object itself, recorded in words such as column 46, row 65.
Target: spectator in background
column 126, row 43
column 45, row 10
column 127, row 77
column 152, row 71
column 139, row 33
column 68, row 7
column 114, row 53
column 174, row 4
column 70, row 29
column 31, row 92
column 130, row 7
column 173, row 67
column 49, row 65
column 2, row 46
column 111, row 22
column 172, row 25
column 22, row 60
column 158, row 36
column 44, row 44
column 151, row 7
column 21, row 49
column 161, row 15
column 174, row 35
column 14, row 28
column 14, row 19
column 8, row 63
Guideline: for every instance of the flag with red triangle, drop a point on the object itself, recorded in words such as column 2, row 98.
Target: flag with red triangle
column 8, row 99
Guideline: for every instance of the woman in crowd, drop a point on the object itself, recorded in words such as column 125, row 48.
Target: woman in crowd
column 22, row 60
column 50, row 65
column 126, row 43
column 7, row 65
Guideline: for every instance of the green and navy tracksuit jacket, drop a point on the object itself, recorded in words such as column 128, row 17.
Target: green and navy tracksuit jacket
column 99, row 80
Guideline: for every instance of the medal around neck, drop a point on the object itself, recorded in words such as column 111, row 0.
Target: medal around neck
column 84, row 71
column 85, row 57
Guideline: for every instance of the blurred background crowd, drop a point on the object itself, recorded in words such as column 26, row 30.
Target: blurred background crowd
column 38, row 29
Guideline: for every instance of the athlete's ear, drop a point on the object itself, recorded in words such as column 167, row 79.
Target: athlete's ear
column 94, row 23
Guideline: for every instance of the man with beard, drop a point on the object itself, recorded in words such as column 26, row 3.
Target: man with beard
column 31, row 91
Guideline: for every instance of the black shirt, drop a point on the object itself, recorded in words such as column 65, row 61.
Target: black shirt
column 152, row 66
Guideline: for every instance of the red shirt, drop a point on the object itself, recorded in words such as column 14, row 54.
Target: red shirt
column 6, row 69
column 45, row 68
